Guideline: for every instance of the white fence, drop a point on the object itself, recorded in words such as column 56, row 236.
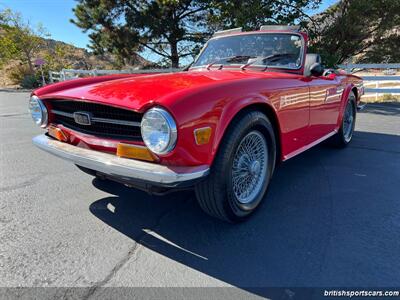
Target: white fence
column 67, row 74
column 351, row 67
column 373, row 83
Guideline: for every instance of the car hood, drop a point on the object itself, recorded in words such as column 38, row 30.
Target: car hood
column 140, row 91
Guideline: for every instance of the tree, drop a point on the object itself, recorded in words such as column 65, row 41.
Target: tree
column 384, row 50
column 359, row 29
column 252, row 14
column 171, row 29
column 18, row 39
column 175, row 29
column 56, row 58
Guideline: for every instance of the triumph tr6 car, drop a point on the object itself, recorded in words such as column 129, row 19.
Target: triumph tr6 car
column 249, row 101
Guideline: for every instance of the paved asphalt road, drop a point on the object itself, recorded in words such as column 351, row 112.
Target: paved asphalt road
column 331, row 218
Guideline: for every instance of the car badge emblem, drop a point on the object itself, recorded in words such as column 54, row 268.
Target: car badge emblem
column 82, row 118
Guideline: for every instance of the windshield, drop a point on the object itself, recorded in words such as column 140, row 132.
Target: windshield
column 278, row 50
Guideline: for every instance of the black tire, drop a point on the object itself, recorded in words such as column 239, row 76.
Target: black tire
column 216, row 195
column 341, row 139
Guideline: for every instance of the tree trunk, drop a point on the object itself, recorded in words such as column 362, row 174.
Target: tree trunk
column 31, row 69
column 29, row 60
column 174, row 55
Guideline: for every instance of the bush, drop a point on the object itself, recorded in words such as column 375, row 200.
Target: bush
column 30, row 82
column 20, row 74
column 17, row 73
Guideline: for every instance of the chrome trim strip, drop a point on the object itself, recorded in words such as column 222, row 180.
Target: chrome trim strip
column 227, row 31
column 62, row 113
column 295, row 28
column 99, row 120
column 120, row 167
column 118, row 122
column 308, row 146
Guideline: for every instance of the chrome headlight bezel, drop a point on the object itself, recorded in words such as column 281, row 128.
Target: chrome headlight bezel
column 171, row 133
column 43, row 119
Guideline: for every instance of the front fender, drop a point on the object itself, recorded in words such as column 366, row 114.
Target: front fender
column 231, row 111
column 214, row 107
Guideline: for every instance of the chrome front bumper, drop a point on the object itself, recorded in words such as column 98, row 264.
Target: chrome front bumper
column 121, row 168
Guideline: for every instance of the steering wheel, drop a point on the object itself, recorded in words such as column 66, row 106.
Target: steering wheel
column 328, row 72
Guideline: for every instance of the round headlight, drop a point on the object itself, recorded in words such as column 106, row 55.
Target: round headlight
column 38, row 111
column 158, row 130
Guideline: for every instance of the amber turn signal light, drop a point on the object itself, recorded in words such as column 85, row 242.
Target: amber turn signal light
column 202, row 135
column 135, row 151
column 57, row 133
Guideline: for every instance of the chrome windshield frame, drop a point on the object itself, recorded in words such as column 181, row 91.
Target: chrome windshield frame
column 259, row 66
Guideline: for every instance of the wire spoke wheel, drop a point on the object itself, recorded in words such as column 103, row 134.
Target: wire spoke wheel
column 242, row 169
column 348, row 122
column 249, row 168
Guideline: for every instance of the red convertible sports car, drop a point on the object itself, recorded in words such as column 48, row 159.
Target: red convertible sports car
column 249, row 101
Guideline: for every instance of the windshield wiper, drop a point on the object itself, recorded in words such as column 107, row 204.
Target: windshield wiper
column 235, row 58
column 265, row 58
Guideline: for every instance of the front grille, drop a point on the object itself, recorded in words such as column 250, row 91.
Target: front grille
column 106, row 121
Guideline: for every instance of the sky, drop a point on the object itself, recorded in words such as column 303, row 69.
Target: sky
column 55, row 15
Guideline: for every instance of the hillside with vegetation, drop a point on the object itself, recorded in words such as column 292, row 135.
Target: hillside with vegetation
column 357, row 31
column 58, row 55
column 22, row 44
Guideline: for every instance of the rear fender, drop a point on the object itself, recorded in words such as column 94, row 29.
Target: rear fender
column 343, row 102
